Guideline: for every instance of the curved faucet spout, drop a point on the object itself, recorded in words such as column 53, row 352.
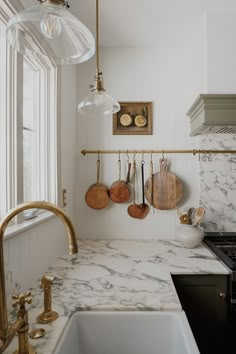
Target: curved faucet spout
column 73, row 248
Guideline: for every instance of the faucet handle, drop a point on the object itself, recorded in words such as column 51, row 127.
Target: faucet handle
column 22, row 299
column 22, row 329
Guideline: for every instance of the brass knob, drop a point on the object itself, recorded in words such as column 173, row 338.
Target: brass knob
column 222, row 296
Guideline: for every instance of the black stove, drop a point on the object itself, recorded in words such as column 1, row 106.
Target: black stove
column 223, row 244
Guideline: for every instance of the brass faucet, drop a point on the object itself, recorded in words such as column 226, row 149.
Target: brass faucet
column 7, row 334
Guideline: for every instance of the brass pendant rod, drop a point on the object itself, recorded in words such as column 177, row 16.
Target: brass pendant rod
column 97, row 38
column 194, row 152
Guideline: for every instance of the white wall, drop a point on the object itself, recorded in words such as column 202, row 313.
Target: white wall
column 221, row 52
column 171, row 76
column 218, row 177
column 29, row 254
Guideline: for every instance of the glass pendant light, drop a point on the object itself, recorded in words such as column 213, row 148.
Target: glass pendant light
column 98, row 101
column 50, row 30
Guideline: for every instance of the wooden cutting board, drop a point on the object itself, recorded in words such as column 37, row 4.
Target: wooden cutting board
column 164, row 189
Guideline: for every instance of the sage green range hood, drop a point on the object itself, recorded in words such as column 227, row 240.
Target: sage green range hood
column 213, row 113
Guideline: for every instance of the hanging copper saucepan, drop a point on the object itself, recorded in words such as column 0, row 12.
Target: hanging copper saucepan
column 120, row 190
column 97, row 195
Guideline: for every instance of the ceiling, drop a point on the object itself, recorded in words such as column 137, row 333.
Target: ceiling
column 138, row 23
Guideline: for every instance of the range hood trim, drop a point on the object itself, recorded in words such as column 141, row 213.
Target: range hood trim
column 213, row 113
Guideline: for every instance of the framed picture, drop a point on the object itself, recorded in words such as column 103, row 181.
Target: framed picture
column 134, row 118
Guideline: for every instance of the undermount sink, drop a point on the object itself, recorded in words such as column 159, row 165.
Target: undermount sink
column 151, row 332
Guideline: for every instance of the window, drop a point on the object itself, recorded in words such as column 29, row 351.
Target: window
column 30, row 134
column 28, row 126
column 3, row 172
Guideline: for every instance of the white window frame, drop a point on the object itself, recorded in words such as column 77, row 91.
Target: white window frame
column 3, row 172
column 48, row 181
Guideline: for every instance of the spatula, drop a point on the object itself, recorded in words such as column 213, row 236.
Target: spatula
column 191, row 212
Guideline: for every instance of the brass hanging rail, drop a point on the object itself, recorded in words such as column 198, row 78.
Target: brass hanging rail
column 194, row 152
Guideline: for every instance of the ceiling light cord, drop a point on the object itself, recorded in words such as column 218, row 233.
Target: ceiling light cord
column 97, row 37
column 98, row 101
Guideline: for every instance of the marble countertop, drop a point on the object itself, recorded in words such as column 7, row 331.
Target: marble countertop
column 117, row 275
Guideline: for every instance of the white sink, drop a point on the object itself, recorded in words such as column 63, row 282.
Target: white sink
column 147, row 332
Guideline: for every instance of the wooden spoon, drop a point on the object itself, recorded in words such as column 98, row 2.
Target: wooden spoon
column 198, row 215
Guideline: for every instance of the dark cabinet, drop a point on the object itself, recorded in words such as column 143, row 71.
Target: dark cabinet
column 204, row 300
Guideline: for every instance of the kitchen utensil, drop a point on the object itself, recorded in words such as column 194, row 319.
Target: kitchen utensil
column 191, row 212
column 119, row 190
column 184, row 218
column 198, row 215
column 133, row 209
column 144, row 207
column 97, row 195
column 163, row 190
column 179, row 213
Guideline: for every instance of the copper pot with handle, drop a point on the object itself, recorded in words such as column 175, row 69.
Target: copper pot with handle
column 120, row 190
column 97, row 195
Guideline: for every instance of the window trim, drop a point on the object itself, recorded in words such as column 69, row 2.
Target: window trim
column 14, row 194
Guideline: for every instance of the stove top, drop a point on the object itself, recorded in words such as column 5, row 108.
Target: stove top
column 223, row 244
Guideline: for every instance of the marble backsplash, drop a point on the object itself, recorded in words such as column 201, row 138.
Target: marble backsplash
column 218, row 183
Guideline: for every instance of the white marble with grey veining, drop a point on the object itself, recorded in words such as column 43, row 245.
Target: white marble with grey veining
column 218, row 183
column 118, row 275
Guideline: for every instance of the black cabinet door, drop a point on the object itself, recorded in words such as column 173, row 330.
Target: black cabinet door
column 204, row 300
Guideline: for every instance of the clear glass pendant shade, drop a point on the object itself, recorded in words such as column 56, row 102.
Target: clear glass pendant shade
column 98, row 102
column 50, row 30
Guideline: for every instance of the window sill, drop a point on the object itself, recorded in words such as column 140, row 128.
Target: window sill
column 13, row 230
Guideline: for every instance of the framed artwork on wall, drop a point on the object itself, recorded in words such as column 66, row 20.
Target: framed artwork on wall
column 134, row 118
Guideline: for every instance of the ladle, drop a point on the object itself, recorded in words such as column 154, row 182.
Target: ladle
column 143, row 208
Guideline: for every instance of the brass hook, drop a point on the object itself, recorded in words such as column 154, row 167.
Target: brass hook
column 204, row 158
column 119, row 156
column 127, row 154
column 163, row 158
column 143, row 156
column 210, row 155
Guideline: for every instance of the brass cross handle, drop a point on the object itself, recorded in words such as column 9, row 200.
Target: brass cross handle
column 22, row 299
